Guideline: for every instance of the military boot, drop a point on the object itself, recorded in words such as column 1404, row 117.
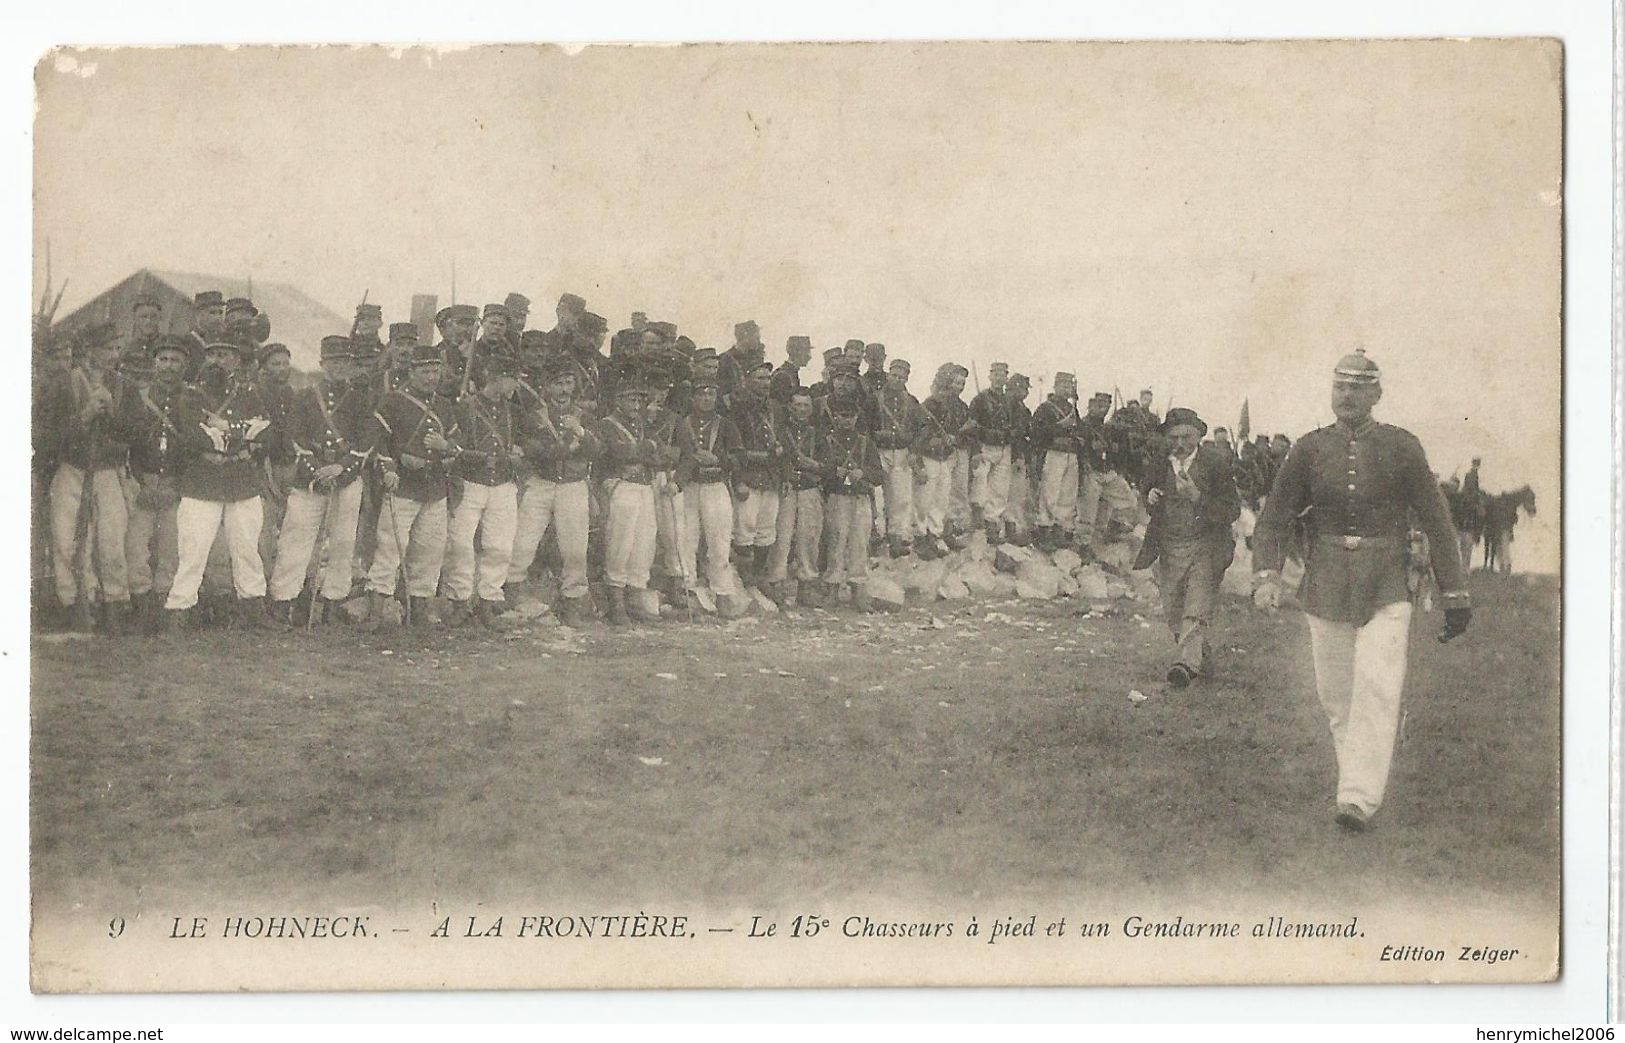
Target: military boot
column 417, row 611
column 280, row 614
column 114, row 616
column 252, row 613
column 177, row 621
column 457, row 613
column 636, row 609
column 617, row 607
column 138, row 619
column 486, row 612
column 82, row 616
column 812, row 593
column 569, row 611
column 860, row 597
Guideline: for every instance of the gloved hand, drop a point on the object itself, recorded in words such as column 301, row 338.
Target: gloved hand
column 1267, row 592
column 1456, row 621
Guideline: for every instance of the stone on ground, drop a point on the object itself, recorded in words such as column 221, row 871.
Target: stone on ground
column 886, row 593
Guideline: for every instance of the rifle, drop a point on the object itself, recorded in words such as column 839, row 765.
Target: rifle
column 84, row 523
column 313, row 573
column 975, row 377
column 406, row 572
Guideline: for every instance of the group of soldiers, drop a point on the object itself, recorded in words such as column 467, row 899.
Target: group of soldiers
column 439, row 467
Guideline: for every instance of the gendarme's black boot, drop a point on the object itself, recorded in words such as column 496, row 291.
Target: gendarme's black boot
column 417, row 612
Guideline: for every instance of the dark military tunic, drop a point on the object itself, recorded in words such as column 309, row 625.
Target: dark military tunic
column 328, row 425
column 484, row 432
column 942, row 417
column 400, row 422
column 222, row 467
column 1361, row 487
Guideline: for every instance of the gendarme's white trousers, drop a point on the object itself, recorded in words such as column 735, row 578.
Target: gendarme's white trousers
column 1360, row 673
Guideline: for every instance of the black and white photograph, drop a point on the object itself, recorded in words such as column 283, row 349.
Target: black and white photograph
column 961, row 513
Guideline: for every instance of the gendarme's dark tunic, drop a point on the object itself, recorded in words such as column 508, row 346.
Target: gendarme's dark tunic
column 1362, row 486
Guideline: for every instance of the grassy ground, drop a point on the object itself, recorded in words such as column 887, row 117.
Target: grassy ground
column 976, row 749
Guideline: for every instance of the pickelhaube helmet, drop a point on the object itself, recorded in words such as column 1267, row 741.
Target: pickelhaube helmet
column 1356, row 368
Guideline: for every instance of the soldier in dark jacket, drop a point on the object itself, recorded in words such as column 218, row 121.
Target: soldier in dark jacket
column 853, row 470
column 993, row 418
column 1362, row 482
column 328, row 430
column 898, row 418
column 410, row 448
column 559, row 450
column 758, row 474
column 224, row 432
column 707, row 441
column 792, row 574
column 486, row 435
column 80, row 410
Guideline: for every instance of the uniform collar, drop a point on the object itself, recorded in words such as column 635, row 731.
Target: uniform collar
column 1365, row 427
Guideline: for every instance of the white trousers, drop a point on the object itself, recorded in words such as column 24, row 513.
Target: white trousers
column 756, row 517
column 1105, row 496
column 104, row 564
column 846, row 522
column 898, row 492
column 301, row 525
column 492, row 511
column 990, row 481
column 1058, row 490
column 708, row 512
column 1018, row 509
column 668, row 508
column 563, row 507
column 1359, row 674
column 959, row 500
column 629, row 550
column 801, row 527
column 931, row 496
column 422, row 526
column 197, row 522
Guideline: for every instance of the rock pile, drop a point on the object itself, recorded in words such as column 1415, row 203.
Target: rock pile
column 982, row 570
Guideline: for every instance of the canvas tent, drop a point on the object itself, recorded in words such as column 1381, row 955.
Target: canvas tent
column 296, row 320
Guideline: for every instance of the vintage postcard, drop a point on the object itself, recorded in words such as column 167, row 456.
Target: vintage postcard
column 762, row 515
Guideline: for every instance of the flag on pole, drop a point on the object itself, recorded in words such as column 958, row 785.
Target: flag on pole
column 1244, row 425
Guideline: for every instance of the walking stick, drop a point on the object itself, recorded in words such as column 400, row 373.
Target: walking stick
column 406, row 573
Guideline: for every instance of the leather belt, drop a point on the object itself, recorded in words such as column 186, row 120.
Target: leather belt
column 224, row 458
column 1352, row 542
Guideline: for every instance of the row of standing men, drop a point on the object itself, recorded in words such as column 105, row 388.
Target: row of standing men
column 449, row 463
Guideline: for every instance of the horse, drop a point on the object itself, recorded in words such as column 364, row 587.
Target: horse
column 1500, row 518
column 1468, row 508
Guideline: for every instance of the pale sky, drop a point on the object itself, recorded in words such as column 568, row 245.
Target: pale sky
column 1216, row 221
